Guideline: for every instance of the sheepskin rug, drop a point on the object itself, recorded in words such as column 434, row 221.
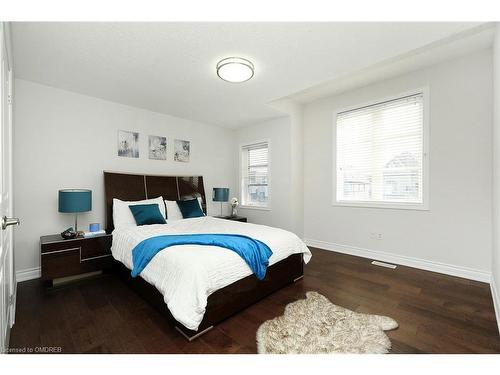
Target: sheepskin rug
column 315, row 325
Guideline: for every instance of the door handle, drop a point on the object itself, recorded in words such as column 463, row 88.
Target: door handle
column 7, row 221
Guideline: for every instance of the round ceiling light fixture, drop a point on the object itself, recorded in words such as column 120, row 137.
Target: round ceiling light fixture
column 235, row 69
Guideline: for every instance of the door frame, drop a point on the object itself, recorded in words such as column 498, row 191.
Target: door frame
column 5, row 36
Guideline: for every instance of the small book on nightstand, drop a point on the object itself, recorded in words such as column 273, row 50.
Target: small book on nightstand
column 94, row 234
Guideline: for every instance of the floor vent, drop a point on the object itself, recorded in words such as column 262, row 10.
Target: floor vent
column 382, row 264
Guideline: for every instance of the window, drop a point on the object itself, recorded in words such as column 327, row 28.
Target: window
column 255, row 175
column 380, row 154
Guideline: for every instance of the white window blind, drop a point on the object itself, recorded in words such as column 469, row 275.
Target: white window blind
column 380, row 152
column 255, row 174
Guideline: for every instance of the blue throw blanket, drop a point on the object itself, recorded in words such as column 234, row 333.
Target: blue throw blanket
column 254, row 252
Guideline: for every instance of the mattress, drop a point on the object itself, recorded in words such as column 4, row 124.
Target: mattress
column 187, row 275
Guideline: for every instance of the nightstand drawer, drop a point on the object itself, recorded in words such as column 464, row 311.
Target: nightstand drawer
column 55, row 247
column 68, row 263
column 60, row 263
column 97, row 247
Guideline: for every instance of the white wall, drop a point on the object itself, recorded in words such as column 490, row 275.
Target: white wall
column 456, row 230
column 297, row 167
column 495, row 269
column 286, row 209
column 279, row 213
column 66, row 140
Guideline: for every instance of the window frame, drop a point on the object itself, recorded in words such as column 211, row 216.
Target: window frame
column 425, row 205
column 267, row 207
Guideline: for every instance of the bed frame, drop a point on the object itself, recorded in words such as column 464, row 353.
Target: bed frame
column 224, row 302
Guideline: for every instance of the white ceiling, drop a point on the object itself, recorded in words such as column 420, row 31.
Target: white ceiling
column 170, row 67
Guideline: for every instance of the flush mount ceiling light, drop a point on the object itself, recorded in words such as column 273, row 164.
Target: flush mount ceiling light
column 235, row 69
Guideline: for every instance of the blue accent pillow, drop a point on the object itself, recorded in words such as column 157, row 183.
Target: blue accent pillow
column 146, row 214
column 190, row 208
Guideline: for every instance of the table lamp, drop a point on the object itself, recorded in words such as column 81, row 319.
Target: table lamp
column 220, row 195
column 75, row 201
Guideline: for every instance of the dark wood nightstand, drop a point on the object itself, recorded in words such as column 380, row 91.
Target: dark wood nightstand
column 63, row 258
column 234, row 218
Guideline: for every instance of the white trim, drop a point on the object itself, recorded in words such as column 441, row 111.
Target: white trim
column 7, row 262
column 28, row 274
column 269, row 173
column 425, row 205
column 8, row 44
column 13, row 306
column 496, row 300
column 428, row 265
column 261, row 208
column 386, row 205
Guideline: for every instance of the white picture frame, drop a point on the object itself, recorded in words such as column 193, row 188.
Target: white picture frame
column 157, row 147
column 128, row 144
column 182, row 150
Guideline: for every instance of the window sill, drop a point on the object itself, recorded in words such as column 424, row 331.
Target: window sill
column 391, row 206
column 255, row 208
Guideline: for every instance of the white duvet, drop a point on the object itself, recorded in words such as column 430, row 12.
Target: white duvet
column 186, row 275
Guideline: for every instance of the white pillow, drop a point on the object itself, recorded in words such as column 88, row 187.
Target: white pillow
column 122, row 216
column 173, row 211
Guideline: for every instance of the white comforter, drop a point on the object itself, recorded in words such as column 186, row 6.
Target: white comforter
column 186, row 275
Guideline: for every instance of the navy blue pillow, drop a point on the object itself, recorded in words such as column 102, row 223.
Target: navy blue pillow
column 146, row 214
column 190, row 208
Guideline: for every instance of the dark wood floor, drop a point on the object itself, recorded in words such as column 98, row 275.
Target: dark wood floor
column 436, row 313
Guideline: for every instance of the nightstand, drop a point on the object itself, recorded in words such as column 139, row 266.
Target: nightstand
column 234, row 218
column 63, row 258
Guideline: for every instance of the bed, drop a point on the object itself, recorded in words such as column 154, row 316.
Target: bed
column 194, row 286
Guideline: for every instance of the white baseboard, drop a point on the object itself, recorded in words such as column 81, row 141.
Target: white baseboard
column 496, row 300
column 448, row 269
column 28, row 274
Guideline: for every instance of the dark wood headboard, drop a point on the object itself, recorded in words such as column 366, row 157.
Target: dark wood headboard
column 134, row 187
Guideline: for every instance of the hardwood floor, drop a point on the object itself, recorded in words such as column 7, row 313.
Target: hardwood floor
column 436, row 313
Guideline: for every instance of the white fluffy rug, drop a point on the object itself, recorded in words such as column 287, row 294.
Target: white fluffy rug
column 315, row 325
